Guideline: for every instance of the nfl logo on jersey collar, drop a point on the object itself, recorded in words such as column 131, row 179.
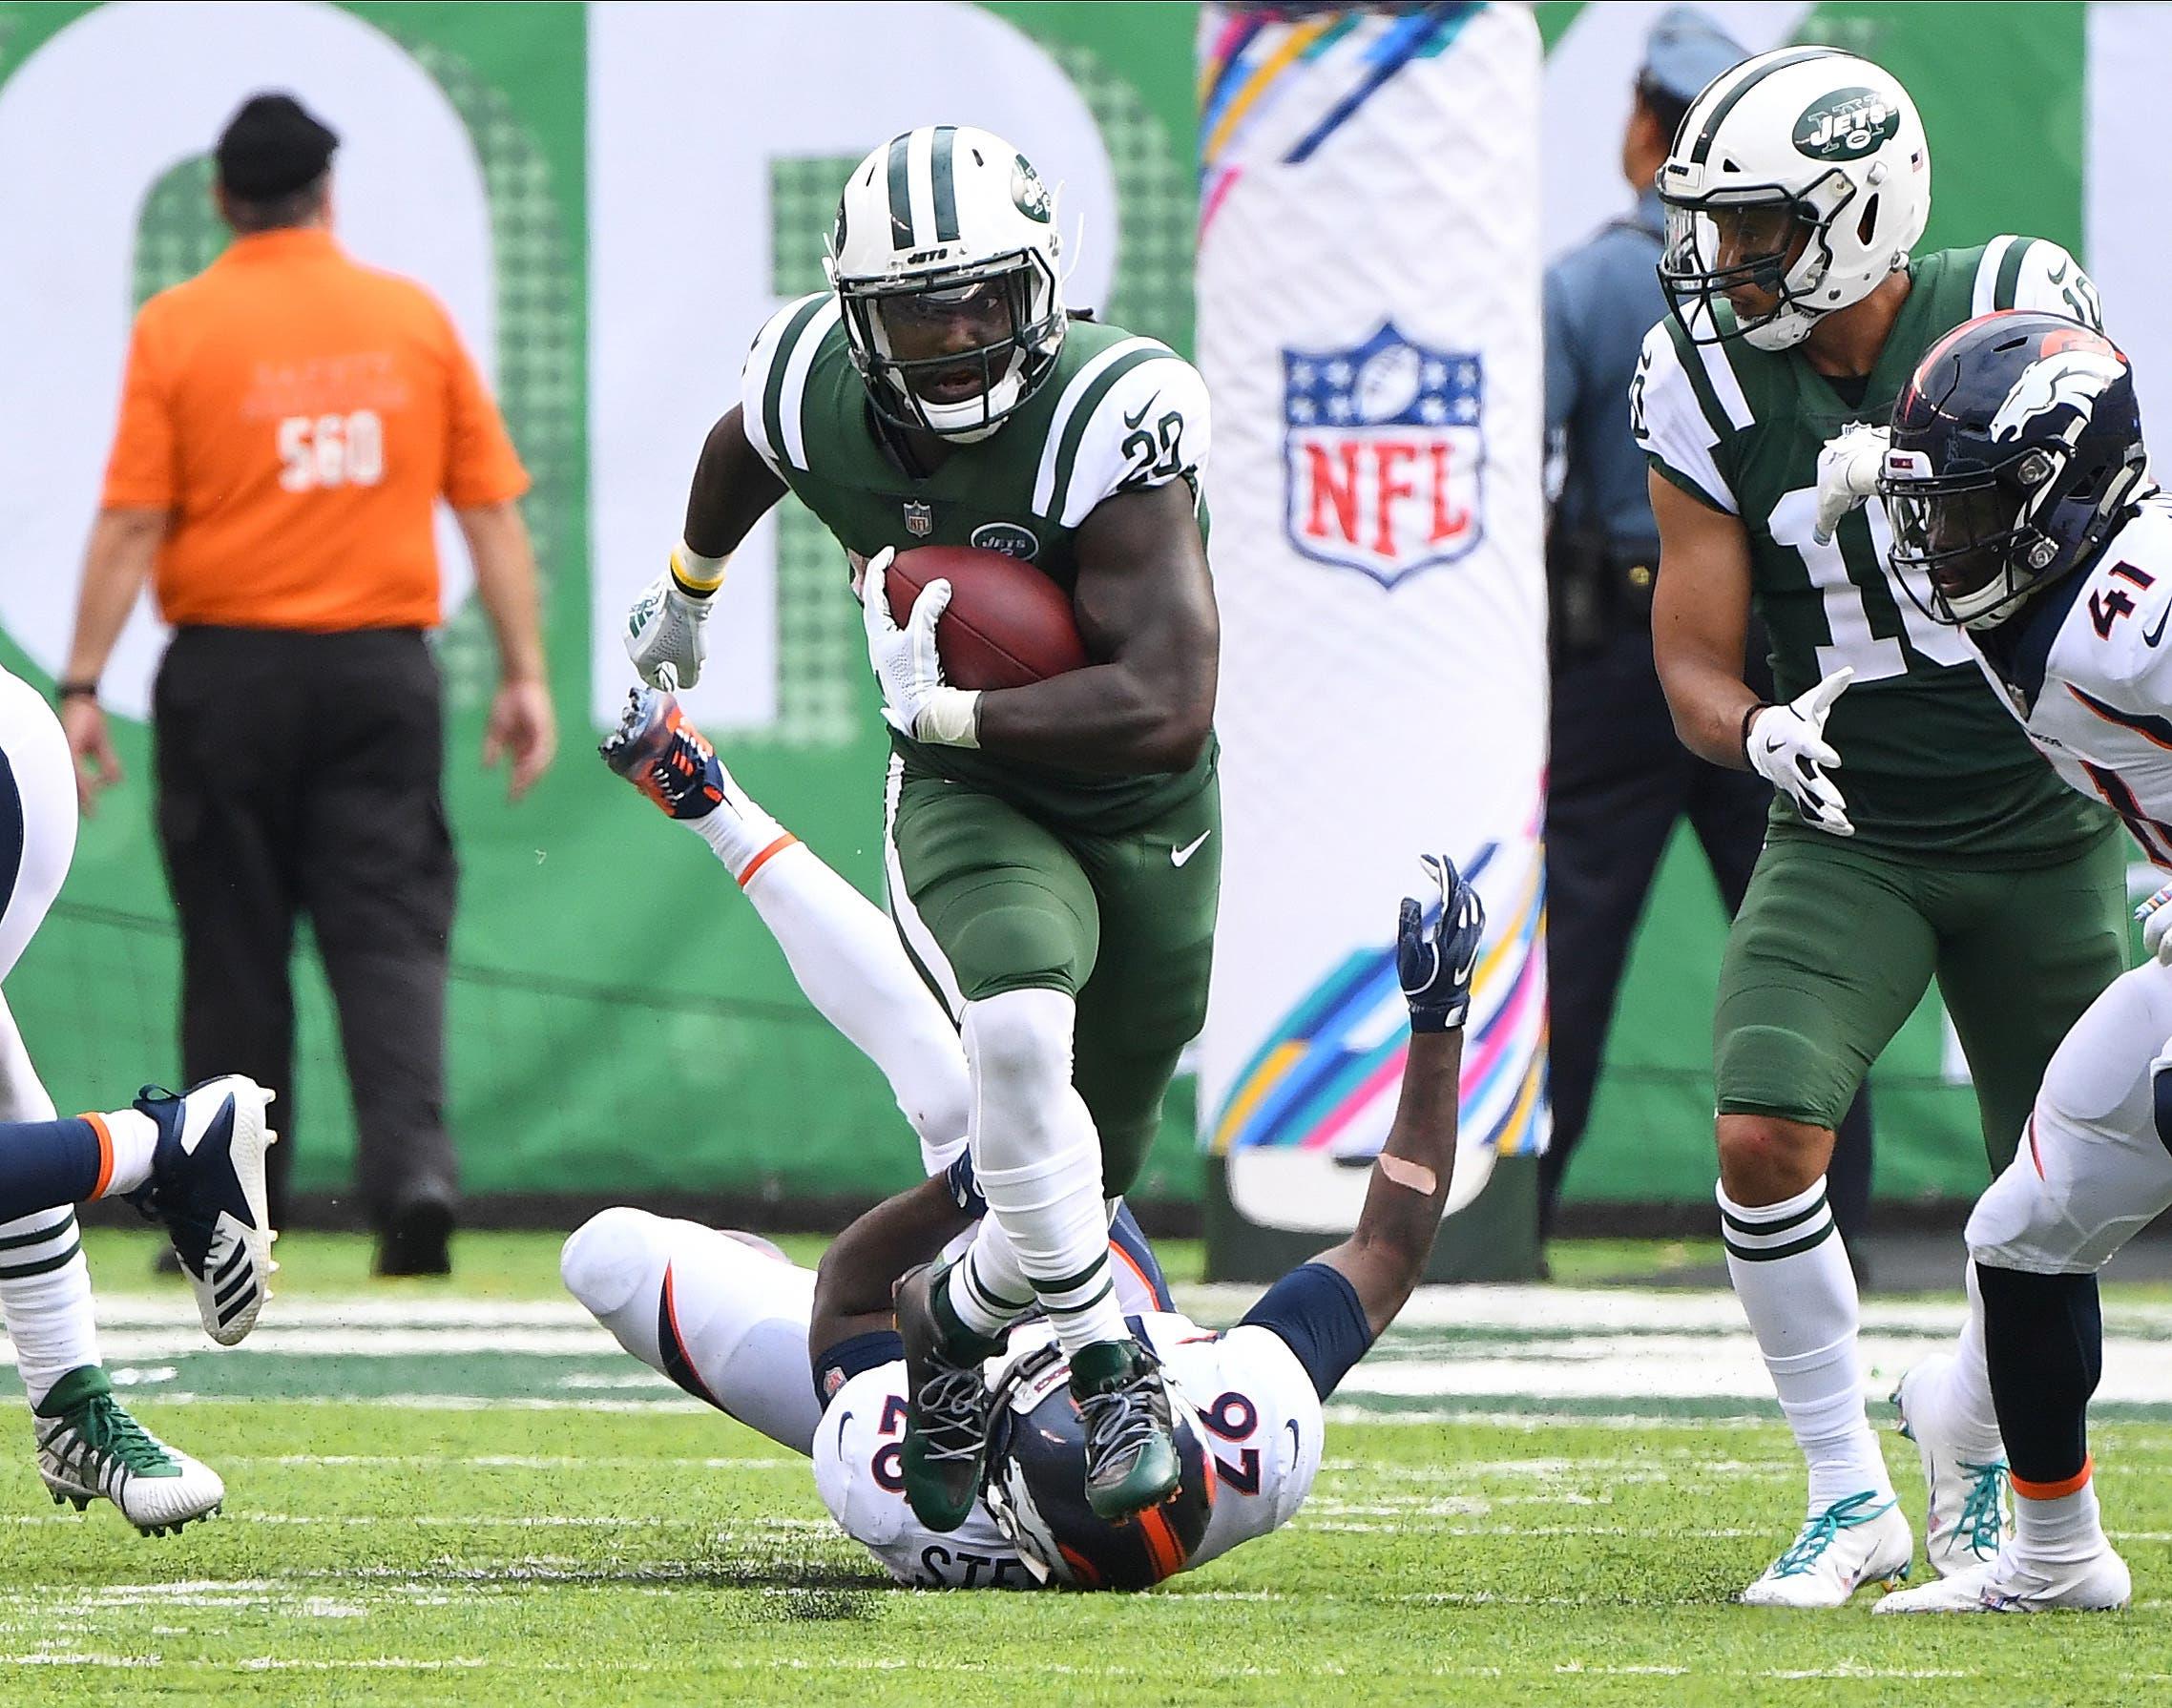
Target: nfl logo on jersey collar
column 1383, row 449
column 919, row 518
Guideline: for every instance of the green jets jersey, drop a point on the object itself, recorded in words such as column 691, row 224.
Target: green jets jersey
column 1930, row 760
column 1120, row 413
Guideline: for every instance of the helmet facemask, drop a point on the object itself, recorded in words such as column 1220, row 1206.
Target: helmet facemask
column 1761, row 236
column 899, row 328
column 1971, row 540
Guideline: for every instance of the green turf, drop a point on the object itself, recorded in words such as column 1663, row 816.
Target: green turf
column 393, row 1556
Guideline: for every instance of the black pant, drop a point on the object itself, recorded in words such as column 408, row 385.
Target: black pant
column 302, row 773
column 1618, row 781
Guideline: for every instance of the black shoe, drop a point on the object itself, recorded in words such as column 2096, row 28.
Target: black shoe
column 1131, row 1448
column 946, row 1419
column 417, row 1240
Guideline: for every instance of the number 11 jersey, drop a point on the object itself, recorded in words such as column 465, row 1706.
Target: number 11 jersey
column 1929, row 760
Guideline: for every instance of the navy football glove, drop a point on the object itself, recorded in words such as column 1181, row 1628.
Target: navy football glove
column 1436, row 952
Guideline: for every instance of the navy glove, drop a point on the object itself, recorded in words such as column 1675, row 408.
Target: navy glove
column 1437, row 956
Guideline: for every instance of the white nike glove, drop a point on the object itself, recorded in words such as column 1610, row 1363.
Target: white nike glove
column 915, row 701
column 1849, row 468
column 666, row 630
column 1786, row 746
column 2155, row 916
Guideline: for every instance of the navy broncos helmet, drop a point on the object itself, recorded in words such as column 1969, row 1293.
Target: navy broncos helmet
column 1037, row 1487
column 2016, row 444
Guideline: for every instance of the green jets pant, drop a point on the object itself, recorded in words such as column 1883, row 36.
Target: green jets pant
column 989, row 900
column 1836, row 944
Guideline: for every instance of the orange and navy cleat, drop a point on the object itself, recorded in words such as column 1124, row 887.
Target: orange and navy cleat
column 660, row 753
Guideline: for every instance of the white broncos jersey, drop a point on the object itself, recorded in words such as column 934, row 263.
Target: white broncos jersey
column 1262, row 1422
column 2088, row 672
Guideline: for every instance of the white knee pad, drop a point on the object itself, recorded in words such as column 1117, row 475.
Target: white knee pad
column 724, row 1318
column 2093, row 1195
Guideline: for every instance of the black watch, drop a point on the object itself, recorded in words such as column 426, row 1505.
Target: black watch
column 76, row 689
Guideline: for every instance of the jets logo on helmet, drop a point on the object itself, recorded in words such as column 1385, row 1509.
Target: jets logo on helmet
column 1846, row 125
column 2016, row 447
column 1797, row 183
column 943, row 261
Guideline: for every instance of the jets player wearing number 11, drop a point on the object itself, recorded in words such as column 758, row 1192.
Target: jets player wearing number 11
column 2017, row 489
column 1796, row 189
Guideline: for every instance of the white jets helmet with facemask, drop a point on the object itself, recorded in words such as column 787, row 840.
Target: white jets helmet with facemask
column 931, row 222
column 1803, row 172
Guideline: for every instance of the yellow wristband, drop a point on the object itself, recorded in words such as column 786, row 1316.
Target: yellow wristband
column 698, row 576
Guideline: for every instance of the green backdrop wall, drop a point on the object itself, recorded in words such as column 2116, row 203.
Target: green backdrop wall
column 619, row 1020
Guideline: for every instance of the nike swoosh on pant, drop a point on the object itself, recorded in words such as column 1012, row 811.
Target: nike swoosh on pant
column 1178, row 856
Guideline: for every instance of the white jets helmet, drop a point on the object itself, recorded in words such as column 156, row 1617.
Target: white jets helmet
column 1803, row 172
column 943, row 226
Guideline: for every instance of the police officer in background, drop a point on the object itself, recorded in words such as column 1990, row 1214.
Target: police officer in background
column 1618, row 779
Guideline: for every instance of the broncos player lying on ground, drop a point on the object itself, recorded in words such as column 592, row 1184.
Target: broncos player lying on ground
column 194, row 1161
column 817, row 1364
column 1039, row 839
column 1796, row 188
column 2015, row 481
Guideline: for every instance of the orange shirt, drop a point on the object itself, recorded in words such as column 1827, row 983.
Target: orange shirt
column 299, row 414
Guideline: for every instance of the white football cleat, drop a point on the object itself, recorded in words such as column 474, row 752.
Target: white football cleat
column 207, row 1186
column 91, row 1449
column 1968, row 1515
column 1862, row 1539
column 2010, row 1585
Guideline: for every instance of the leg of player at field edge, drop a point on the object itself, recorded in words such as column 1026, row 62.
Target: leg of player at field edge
column 841, row 949
column 2094, row 1168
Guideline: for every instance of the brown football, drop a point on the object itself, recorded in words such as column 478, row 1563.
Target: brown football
column 1008, row 624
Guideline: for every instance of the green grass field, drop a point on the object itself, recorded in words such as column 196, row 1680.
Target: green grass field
column 452, row 1494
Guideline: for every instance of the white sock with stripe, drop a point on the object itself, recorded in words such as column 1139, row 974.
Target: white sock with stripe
column 44, row 1299
column 739, row 832
column 2061, row 1528
column 846, row 954
column 1791, row 1272
column 1038, row 1161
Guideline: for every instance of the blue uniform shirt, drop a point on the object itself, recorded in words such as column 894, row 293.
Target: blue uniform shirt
column 1602, row 298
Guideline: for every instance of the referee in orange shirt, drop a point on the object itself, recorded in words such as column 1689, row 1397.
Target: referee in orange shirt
column 289, row 418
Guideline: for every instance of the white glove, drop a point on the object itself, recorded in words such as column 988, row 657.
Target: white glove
column 1786, row 746
column 2155, row 916
column 1849, row 468
column 915, row 701
column 666, row 631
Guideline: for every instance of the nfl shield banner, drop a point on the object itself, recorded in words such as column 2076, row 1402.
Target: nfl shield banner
column 1385, row 447
column 1369, row 326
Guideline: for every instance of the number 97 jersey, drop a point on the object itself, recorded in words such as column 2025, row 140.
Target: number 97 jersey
column 1933, row 768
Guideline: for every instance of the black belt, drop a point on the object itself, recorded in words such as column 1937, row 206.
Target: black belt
column 1598, row 585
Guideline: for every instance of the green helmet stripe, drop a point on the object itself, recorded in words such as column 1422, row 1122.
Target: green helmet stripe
column 2010, row 272
column 1727, row 102
column 946, row 184
column 901, row 194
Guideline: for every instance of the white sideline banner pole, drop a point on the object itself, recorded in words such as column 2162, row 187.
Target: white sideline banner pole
column 1369, row 326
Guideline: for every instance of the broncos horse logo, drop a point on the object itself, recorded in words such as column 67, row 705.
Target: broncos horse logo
column 2071, row 377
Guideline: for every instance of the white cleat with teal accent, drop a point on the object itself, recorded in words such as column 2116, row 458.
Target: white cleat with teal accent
column 2010, row 1585
column 1862, row 1539
column 1969, row 1514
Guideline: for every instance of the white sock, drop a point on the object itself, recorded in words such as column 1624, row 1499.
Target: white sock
column 135, row 1138
column 2062, row 1529
column 739, row 831
column 1968, row 1412
column 44, row 1299
column 846, row 954
column 45, row 1285
column 1038, row 1160
column 1791, row 1272
column 990, row 1288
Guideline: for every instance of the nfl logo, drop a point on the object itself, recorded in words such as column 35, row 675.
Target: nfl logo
column 919, row 519
column 1385, row 453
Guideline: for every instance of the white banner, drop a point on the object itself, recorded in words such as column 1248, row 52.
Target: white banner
column 1369, row 324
